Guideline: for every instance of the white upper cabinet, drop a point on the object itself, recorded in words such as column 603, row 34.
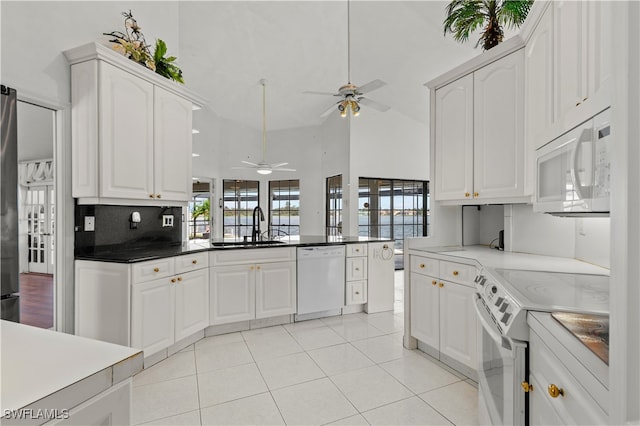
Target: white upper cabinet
column 568, row 67
column 172, row 134
column 125, row 133
column 539, row 79
column 454, row 140
column 498, row 138
column 479, row 134
column 131, row 131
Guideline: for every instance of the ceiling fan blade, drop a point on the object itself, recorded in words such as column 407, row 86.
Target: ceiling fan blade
column 373, row 104
column 329, row 110
column 274, row 166
column 371, row 86
column 241, row 168
column 310, row 92
column 283, row 170
column 250, row 163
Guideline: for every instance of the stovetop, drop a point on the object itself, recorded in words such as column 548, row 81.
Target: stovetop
column 509, row 293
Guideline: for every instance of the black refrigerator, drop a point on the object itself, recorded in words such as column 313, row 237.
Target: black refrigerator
column 9, row 269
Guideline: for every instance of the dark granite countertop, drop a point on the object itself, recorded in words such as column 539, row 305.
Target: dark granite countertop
column 124, row 254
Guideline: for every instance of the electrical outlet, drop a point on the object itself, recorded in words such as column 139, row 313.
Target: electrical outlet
column 89, row 223
column 167, row 220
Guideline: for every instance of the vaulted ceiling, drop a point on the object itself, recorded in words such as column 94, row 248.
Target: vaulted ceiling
column 227, row 47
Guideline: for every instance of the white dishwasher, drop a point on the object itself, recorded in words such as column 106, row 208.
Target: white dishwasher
column 321, row 281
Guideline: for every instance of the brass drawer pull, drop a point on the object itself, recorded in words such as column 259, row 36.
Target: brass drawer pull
column 467, row 195
column 357, row 292
column 455, row 273
column 194, row 261
column 173, row 280
column 434, row 282
column 526, row 387
column 158, row 196
column 156, row 269
column 555, row 391
column 152, row 196
column 179, row 278
column 441, row 285
column 422, row 266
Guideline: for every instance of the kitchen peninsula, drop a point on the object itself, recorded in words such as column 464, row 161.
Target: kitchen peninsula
column 79, row 381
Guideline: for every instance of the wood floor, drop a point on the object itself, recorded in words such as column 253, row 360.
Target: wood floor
column 36, row 300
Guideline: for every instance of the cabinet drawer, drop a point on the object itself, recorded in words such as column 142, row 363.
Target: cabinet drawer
column 355, row 250
column 146, row 271
column 191, row 262
column 457, row 272
column 576, row 406
column 356, row 268
column 356, row 292
column 425, row 266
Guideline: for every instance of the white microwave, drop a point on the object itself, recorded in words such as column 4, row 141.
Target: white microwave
column 574, row 171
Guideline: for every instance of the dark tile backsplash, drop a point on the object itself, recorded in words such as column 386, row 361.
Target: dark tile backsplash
column 113, row 230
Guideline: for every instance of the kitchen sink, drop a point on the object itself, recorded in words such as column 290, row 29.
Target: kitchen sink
column 246, row 244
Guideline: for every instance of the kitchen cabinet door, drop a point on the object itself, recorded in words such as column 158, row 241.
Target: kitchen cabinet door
column 458, row 323
column 600, row 49
column 232, row 294
column 125, row 151
column 539, row 81
column 192, row 303
column 454, row 140
column 541, row 412
column 569, row 54
column 498, row 138
column 172, row 146
column 152, row 315
column 275, row 289
column 425, row 309
column 356, row 268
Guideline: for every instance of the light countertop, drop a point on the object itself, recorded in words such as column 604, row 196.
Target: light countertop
column 484, row 256
column 46, row 369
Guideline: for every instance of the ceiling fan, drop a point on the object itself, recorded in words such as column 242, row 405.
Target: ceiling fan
column 263, row 167
column 350, row 94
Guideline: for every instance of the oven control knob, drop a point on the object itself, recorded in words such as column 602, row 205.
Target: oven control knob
column 494, row 289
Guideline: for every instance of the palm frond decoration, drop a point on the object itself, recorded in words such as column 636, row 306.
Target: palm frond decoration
column 466, row 16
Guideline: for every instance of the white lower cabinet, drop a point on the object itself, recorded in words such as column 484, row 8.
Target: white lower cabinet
column 252, row 284
column 167, row 310
column 442, row 311
column 146, row 305
column 356, row 269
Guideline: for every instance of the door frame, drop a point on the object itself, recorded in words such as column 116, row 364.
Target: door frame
column 64, row 221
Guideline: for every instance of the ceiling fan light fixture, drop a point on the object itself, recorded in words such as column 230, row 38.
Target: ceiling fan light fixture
column 264, row 170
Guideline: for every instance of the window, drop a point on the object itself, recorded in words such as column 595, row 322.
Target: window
column 240, row 197
column 334, row 206
column 393, row 208
column 284, row 208
column 200, row 211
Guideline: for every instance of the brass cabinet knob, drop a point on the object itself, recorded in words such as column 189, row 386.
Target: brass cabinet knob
column 258, row 267
column 357, row 250
column 554, row 391
column 455, row 273
column 357, row 269
column 156, row 269
column 527, row 387
column 422, row 266
column 476, row 195
column 467, row 195
column 194, row 261
column 434, row 282
column 441, row 284
column 251, row 268
column 179, row 278
column 578, row 103
column 357, row 292
column 173, row 280
column 158, row 196
column 151, row 196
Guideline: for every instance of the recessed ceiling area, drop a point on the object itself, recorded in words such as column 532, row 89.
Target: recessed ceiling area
column 226, row 47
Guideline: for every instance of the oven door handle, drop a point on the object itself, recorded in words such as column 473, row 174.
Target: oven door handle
column 486, row 322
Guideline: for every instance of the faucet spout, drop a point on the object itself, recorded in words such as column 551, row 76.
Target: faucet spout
column 255, row 228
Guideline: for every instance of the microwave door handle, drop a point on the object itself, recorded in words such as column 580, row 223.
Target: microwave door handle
column 585, row 136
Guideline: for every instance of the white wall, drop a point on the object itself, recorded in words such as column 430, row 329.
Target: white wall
column 34, row 35
column 481, row 224
column 586, row 238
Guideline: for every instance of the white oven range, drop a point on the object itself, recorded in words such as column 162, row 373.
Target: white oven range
column 503, row 298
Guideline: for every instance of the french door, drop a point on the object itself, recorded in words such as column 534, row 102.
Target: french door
column 40, row 214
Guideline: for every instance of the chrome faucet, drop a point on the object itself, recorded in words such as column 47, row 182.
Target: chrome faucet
column 255, row 230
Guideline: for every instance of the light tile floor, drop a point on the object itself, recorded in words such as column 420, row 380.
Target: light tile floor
column 349, row 370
